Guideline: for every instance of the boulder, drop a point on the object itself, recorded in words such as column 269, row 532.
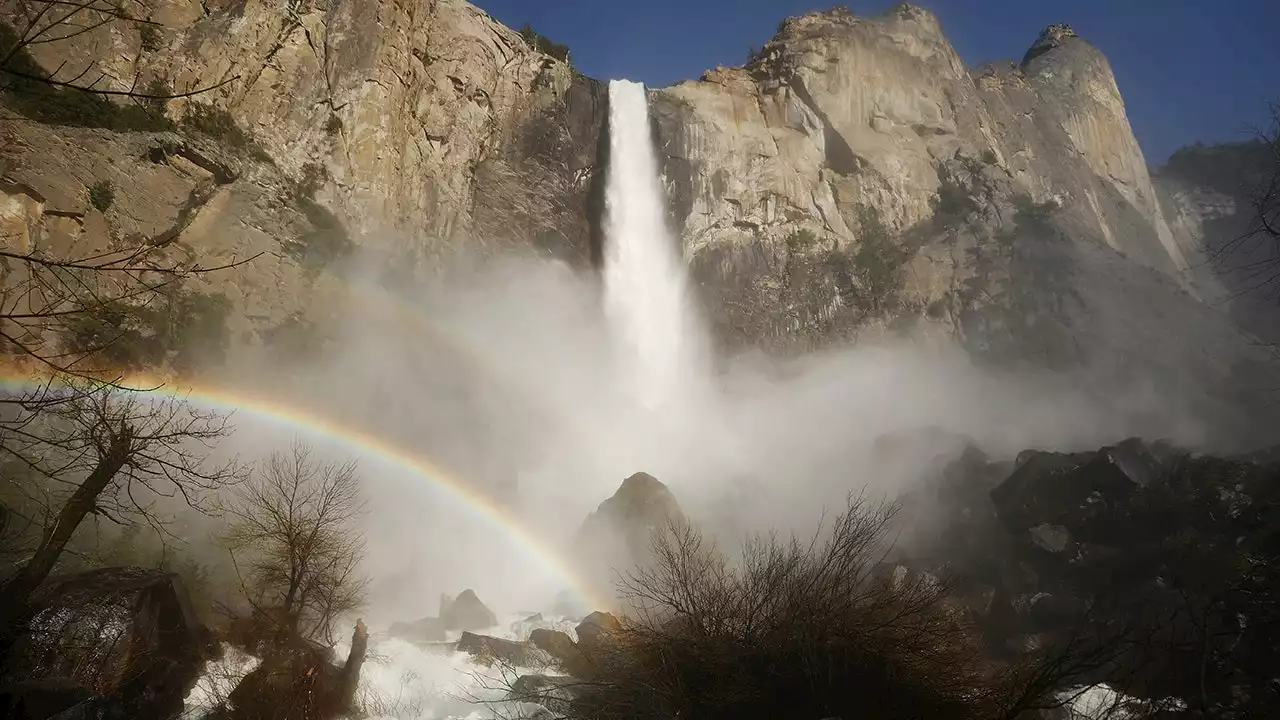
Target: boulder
column 596, row 628
column 619, row 533
column 1047, row 487
column 426, row 630
column 1136, row 538
column 556, row 644
column 128, row 635
column 466, row 612
column 550, row 691
column 486, row 650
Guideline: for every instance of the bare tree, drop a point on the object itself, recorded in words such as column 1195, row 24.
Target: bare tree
column 294, row 526
column 112, row 453
column 30, row 24
column 86, row 442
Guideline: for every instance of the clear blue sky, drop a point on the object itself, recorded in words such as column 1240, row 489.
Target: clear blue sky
column 1189, row 69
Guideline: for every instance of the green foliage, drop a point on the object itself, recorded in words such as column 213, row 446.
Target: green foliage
column 1234, row 169
column 218, row 124
column 1031, row 216
column 954, row 201
column 182, row 330
column 333, row 126
column 543, row 44
column 327, row 241
column 26, row 91
column 101, row 195
column 877, row 272
column 801, row 240
column 150, row 37
column 989, row 156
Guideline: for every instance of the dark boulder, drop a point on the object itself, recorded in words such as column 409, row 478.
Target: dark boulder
column 562, row 650
column 128, row 635
column 595, row 629
column 1161, row 561
column 1048, row 487
column 47, row 699
column 619, row 535
column 555, row 693
column 426, row 630
column 487, row 650
column 466, row 612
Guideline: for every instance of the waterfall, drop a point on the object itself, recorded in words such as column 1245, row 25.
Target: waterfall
column 647, row 299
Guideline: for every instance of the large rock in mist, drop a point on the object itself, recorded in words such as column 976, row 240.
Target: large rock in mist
column 619, row 534
column 466, row 612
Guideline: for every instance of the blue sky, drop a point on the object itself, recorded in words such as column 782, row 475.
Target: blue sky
column 1188, row 69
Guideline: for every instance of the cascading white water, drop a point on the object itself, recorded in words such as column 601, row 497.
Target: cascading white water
column 646, row 288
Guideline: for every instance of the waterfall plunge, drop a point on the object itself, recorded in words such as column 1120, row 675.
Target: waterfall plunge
column 646, row 288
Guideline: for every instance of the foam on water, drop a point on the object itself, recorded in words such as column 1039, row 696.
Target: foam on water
column 403, row 681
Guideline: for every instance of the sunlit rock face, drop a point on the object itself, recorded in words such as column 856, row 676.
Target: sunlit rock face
column 396, row 132
column 854, row 176
column 839, row 113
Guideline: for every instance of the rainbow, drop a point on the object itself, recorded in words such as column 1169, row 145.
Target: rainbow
column 220, row 399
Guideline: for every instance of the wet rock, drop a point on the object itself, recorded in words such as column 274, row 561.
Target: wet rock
column 426, row 630
column 1052, row 538
column 466, row 612
column 620, row 533
column 596, row 628
column 551, row 692
column 487, row 650
column 129, row 634
column 556, row 644
column 1046, row 486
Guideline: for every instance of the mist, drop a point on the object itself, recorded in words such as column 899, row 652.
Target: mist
column 505, row 374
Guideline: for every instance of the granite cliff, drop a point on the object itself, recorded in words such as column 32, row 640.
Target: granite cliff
column 853, row 176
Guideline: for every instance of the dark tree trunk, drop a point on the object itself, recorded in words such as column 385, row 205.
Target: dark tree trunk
column 16, row 594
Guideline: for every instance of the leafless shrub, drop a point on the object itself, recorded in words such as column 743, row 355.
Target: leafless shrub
column 293, row 525
column 796, row 629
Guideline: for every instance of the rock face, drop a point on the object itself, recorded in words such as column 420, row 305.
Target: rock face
column 840, row 114
column 127, row 636
column 853, row 177
column 407, row 131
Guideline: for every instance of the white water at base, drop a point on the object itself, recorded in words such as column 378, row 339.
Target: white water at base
column 647, row 298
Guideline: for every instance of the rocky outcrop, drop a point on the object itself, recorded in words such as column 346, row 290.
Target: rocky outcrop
column 487, row 650
column 300, row 681
column 840, row 114
column 619, row 534
column 127, row 636
column 466, row 612
column 1141, row 562
column 854, row 176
